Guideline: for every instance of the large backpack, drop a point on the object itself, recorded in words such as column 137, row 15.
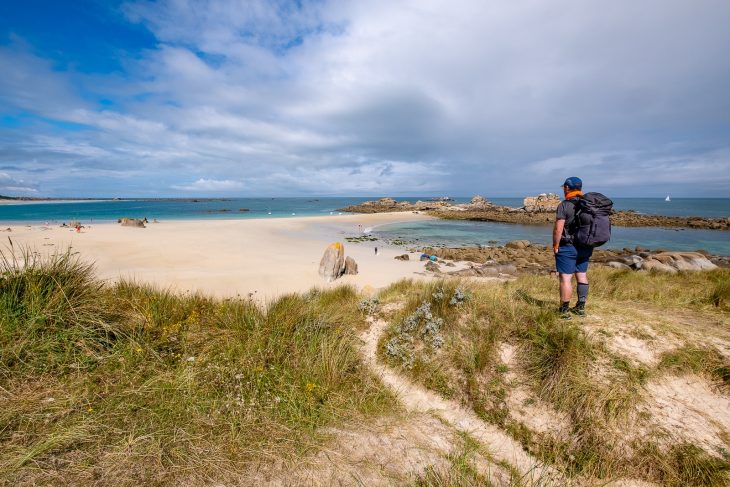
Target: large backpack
column 592, row 227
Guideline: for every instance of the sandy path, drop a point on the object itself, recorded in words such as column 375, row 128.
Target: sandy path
column 260, row 257
column 417, row 398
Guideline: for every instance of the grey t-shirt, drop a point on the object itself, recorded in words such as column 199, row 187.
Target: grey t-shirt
column 566, row 211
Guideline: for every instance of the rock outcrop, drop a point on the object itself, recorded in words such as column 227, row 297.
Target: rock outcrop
column 539, row 210
column 542, row 203
column 350, row 266
column 518, row 244
column 539, row 259
column 678, row 261
column 432, row 266
column 133, row 222
column 402, row 257
column 486, row 270
column 387, row 205
column 332, row 264
column 480, row 203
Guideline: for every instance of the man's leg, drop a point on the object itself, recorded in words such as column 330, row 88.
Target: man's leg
column 565, row 260
column 581, row 275
column 566, row 287
column 566, row 290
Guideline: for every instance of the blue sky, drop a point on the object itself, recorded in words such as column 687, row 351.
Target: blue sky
column 385, row 97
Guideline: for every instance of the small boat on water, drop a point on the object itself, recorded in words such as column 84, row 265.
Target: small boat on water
column 667, row 198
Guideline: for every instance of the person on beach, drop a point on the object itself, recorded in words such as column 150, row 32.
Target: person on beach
column 570, row 259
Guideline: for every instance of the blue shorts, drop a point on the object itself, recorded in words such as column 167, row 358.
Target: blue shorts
column 570, row 260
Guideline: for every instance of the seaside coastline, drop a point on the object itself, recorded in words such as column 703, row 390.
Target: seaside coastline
column 263, row 258
column 541, row 212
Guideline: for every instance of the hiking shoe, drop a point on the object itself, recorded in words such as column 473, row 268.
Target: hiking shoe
column 578, row 310
column 565, row 314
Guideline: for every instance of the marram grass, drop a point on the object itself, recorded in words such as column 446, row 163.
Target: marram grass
column 128, row 384
column 565, row 365
column 132, row 385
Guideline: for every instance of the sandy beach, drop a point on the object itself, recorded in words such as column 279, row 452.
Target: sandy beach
column 259, row 257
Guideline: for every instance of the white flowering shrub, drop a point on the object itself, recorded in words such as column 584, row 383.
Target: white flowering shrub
column 459, row 297
column 421, row 327
column 368, row 306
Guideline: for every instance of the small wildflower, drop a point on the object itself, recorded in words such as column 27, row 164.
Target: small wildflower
column 310, row 386
column 138, row 350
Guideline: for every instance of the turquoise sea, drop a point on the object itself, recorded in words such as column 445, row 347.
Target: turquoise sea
column 465, row 233
column 432, row 232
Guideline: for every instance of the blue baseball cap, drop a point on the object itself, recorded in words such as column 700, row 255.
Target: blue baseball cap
column 573, row 183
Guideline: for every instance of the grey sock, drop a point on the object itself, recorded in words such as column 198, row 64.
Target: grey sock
column 582, row 292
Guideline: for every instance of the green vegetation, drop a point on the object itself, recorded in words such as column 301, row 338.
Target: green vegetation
column 698, row 360
column 691, row 289
column 363, row 238
column 142, row 386
column 461, row 470
column 569, row 370
column 126, row 384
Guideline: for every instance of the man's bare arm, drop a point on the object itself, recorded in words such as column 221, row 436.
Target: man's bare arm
column 557, row 233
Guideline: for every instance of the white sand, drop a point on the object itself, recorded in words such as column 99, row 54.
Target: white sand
column 265, row 257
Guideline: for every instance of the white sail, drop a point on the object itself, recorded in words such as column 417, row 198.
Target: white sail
column 667, row 198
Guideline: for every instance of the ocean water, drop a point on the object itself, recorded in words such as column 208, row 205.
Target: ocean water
column 172, row 209
column 431, row 232
column 179, row 209
column 466, row 233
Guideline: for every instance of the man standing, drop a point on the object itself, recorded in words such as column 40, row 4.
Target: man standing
column 570, row 259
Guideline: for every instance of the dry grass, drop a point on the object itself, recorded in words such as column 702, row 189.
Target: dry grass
column 131, row 385
column 565, row 366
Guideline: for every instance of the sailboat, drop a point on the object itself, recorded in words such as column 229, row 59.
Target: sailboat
column 667, row 198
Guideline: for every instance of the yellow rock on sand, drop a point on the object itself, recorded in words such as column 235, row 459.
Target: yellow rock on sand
column 332, row 264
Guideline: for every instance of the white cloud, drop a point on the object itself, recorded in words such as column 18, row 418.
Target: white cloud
column 9, row 184
column 213, row 185
column 472, row 96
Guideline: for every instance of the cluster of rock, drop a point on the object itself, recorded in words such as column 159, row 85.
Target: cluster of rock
column 522, row 257
column 489, row 269
column 334, row 264
column 542, row 203
column 387, row 205
column 538, row 210
column 133, row 222
column 671, row 262
column 634, row 219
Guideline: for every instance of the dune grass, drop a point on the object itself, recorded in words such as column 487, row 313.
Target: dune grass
column 562, row 363
column 132, row 385
column 127, row 384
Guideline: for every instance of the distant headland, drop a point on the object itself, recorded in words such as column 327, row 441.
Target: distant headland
column 536, row 210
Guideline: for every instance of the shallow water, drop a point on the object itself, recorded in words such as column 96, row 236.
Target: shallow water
column 456, row 233
column 467, row 233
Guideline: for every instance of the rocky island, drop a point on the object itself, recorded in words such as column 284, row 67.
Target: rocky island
column 538, row 210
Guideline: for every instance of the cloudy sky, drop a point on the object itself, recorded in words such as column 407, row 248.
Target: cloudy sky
column 365, row 97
